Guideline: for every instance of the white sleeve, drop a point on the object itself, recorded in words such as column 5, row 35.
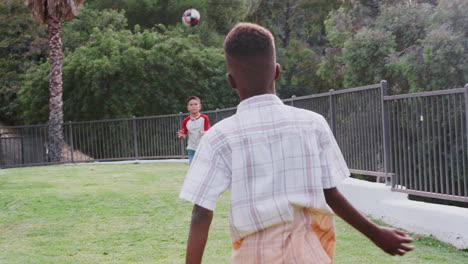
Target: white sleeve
column 208, row 176
column 332, row 162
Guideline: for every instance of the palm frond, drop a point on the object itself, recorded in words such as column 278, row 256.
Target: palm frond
column 38, row 9
column 65, row 9
column 62, row 9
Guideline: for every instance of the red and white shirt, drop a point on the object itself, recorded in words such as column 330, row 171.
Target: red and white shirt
column 273, row 157
column 193, row 127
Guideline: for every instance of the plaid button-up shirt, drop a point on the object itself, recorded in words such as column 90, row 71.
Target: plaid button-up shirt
column 274, row 158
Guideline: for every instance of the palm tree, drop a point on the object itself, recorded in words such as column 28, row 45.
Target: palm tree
column 52, row 12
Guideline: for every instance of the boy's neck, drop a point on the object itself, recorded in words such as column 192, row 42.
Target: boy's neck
column 245, row 94
column 195, row 115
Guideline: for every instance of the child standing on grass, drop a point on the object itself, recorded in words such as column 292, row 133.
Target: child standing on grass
column 194, row 126
column 282, row 165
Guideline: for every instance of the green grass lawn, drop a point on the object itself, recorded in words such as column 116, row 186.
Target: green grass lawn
column 132, row 214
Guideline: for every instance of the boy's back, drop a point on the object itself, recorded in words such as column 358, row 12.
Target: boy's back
column 274, row 157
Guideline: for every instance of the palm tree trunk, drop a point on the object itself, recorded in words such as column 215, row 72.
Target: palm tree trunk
column 56, row 139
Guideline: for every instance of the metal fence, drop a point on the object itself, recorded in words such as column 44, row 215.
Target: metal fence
column 429, row 143
column 418, row 140
column 355, row 117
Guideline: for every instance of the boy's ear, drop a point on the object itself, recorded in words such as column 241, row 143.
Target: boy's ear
column 231, row 80
column 277, row 71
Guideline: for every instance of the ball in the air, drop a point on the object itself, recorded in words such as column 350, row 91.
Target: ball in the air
column 191, row 17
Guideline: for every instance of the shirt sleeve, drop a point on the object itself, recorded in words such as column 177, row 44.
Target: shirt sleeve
column 184, row 126
column 332, row 162
column 207, row 123
column 208, row 176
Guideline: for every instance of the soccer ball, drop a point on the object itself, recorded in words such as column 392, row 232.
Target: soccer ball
column 191, row 17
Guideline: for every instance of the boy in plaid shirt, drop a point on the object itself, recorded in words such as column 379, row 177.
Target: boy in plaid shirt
column 282, row 165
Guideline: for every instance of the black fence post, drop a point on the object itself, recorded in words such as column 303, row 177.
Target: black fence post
column 70, row 135
column 22, row 149
column 216, row 115
column 1, row 150
column 466, row 109
column 332, row 111
column 386, row 134
column 135, row 138
column 182, row 154
column 2, row 160
column 292, row 99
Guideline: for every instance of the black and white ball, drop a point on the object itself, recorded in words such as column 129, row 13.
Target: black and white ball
column 191, row 17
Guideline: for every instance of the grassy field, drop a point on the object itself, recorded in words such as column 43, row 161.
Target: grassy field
column 131, row 214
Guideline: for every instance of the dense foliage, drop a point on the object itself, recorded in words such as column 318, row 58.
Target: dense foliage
column 127, row 58
column 120, row 73
column 415, row 45
column 23, row 43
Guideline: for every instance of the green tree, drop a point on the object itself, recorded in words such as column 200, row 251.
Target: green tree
column 145, row 13
column 300, row 20
column 149, row 13
column 299, row 65
column 22, row 44
column 78, row 31
column 407, row 23
column 217, row 16
column 299, row 32
column 339, row 27
column 342, row 25
column 438, row 60
column 33, row 96
column 453, row 14
column 52, row 12
column 353, row 15
column 439, row 63
column 332, row 68
column 123, row 74
column 222, row 15
column 364, row 56
column 420, row 44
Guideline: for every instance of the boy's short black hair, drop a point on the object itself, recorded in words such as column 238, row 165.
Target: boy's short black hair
column 191, row 98
column 247, row 39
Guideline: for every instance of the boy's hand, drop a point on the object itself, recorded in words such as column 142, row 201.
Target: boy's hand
column 391, row 241
column 388, row 239
column 181, row 134
column 202, row 133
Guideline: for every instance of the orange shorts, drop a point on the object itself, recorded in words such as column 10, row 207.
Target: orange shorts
column 309, row 239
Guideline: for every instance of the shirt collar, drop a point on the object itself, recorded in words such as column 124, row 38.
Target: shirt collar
column 259, row 101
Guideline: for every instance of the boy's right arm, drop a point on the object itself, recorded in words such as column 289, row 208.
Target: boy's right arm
column 183, row 131
column 388, row 239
